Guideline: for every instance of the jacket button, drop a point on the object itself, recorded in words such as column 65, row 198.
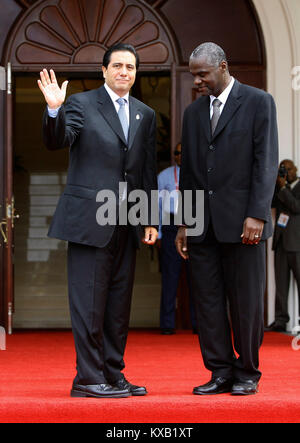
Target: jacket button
column 211, row 147
column 210, row 192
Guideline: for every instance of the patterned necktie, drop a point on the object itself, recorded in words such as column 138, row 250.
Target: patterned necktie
column 123, row 117
column 216, row 114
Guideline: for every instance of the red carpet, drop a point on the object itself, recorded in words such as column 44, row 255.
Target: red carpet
column 38, row 367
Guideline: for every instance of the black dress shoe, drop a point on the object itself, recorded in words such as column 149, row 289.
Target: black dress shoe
column 276, row 327
column 218, row 385
column 167, row 331
column 133, row 389
column 247, row 387
column 103, row 390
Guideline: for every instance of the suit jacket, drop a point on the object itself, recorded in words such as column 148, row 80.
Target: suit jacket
column 237, row 166
column 288, row 201
column 100, row 158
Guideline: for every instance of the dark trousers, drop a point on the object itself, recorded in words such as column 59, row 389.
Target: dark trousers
column 171, row 265
column 285, row 263
column 100, row 290
column 234, row 273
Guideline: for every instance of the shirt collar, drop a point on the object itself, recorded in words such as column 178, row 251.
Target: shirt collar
column 225, row 94
column 292, row 185
column 115, row 96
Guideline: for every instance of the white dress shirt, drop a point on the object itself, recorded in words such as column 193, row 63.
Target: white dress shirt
column 292, row 185
column 114, row 97
column 222, row 97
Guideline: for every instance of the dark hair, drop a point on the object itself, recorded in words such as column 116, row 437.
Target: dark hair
column 120, row 47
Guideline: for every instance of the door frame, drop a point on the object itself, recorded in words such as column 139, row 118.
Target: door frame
column 2, row 206
column 7, row 207
column 18, row 36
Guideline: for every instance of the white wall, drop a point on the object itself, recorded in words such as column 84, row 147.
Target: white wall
column 280, row 21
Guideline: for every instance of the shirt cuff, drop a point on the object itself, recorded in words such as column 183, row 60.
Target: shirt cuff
column 53, row 112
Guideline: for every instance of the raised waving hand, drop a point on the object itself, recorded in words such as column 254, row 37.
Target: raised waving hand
column 54, row 95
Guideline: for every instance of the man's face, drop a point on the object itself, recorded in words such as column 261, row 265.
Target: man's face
column 177, row 155
column 121, row 72
column 208, row 79
column 291, row 170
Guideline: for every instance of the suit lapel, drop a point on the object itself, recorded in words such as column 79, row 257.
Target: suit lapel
column 108, row 111
column 232, row 104
column 136, row 117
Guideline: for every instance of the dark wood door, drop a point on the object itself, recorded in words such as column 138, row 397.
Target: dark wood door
column 7, row 207
column 2, row 114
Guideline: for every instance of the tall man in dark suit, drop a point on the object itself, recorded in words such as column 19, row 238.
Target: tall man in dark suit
column 286, row 241
column 229, row 150
column 112, row 140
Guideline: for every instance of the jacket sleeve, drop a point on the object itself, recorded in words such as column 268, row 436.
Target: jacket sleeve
column 160, row 188
column 184, row 181
column 265, row 159
column 149, row 179
column 61, row 132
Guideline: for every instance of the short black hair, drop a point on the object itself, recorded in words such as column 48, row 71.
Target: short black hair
column 120, row 47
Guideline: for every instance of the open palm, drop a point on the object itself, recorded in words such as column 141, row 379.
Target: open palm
column 54, row 95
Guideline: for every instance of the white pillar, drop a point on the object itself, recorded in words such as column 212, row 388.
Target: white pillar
column 280, row 22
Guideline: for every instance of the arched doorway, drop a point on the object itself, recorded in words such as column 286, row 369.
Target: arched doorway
column 70, row 36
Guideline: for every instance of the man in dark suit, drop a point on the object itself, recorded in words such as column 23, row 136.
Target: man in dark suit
column 229, row 150
column 286, row 241
column 112, row 140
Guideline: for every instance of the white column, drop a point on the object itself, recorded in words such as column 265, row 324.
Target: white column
column 280, row 22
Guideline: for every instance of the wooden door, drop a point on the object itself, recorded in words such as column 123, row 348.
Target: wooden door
column 7, row 207
column 2, row 143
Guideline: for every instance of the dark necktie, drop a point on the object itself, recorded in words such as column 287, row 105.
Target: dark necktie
column 216, row 114
column 123, row 117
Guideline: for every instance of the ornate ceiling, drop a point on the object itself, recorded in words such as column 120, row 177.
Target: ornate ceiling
column 28, row 3
column 72, row 32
